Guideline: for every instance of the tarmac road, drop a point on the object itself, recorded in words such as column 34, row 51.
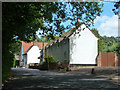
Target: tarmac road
column 33, row 79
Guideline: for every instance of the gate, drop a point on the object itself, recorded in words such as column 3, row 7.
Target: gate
column 108, row 59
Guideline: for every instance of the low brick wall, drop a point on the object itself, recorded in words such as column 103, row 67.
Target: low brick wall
column 54, row 66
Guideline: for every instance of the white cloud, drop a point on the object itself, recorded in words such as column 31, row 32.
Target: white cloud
column 101, row 19
column 107, row 25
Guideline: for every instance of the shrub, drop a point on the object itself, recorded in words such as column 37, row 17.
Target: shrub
column 65, row 69
column 118, row 49
column 49, row 59
column 41, row 63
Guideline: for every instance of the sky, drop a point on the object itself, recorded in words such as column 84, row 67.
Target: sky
column 107, row 22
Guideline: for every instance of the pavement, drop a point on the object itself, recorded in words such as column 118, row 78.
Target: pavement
column 34, row 79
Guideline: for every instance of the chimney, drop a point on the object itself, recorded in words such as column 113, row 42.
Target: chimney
column 77, row 19
column 35, row 43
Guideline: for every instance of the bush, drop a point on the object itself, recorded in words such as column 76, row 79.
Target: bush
column 41, row 63
column 7, row 63
column 118, row 49
column 49, row 59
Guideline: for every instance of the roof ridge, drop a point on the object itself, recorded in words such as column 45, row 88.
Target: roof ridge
column 28, row 45
column 69, row 33
column 65, row 34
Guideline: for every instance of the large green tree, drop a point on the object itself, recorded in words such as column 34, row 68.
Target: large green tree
column 107, row 44
column 109, row 40
column 21, row 20
column 112, row 43
column 48, row 38
column 116, row 10
column 101, row 44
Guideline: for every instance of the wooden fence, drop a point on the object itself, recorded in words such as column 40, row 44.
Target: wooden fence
column 108, row 59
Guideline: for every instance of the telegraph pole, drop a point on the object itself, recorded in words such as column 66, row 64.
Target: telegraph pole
column 43, row 42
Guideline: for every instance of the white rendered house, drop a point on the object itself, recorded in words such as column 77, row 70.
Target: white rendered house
column 30, row 52
column 78, row 46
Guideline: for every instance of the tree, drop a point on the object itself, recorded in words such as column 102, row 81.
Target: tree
column 85, row 11
column 107, row 44
column 118, row 49
column 15, row 47
column 95, row 31
column 49, row 37
column 18, row 18
column 109, row 40
column 117, row 7
column 101, row 44
column 111, row 43
column 21, row 21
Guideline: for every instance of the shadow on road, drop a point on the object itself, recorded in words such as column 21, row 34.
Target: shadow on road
column 36, row 79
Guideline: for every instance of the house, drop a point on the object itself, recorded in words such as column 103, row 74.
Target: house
column 30, row 52
column 78, row 46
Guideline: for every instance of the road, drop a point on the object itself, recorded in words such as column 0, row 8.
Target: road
column 34, row 79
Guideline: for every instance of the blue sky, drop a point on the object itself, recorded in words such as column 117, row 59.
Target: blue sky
column 107, row 9
column 107, row 22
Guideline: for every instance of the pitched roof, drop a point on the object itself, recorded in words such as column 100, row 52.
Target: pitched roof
column 93, row 33
column 69, row 33
column 27, row 46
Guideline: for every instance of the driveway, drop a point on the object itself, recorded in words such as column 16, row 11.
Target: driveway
column 34, row 79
